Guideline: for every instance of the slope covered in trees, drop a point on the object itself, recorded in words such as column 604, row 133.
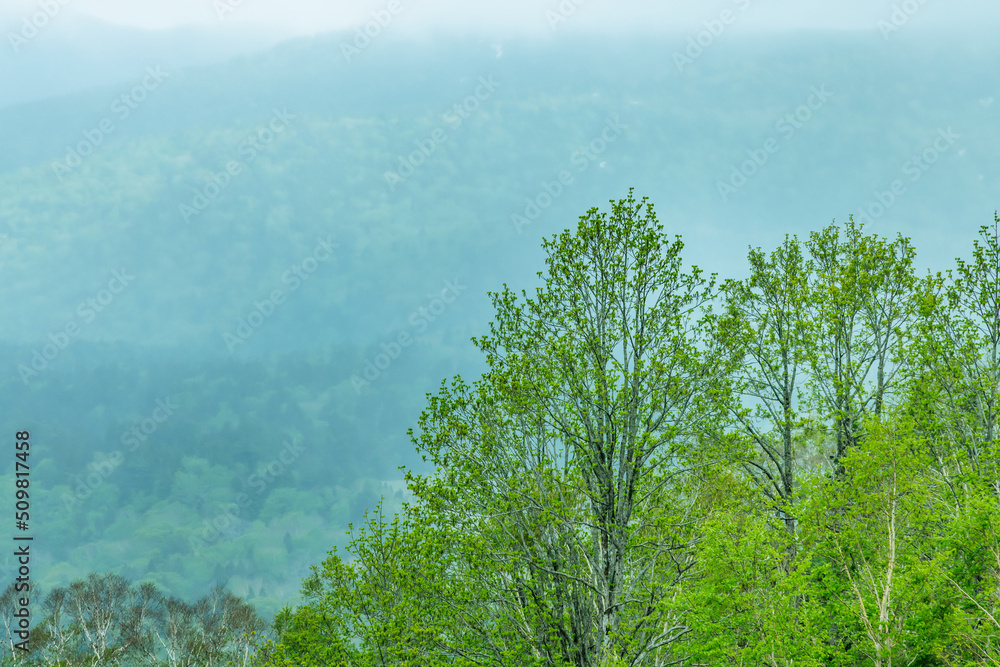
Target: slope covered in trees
column 461, row 216
column 657, row 468
column 107, row 620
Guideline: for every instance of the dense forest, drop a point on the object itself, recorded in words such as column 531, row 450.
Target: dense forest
column 223, row 306
column 660, row 466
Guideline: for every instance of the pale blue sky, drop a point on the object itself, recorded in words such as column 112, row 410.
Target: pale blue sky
column 312, row 16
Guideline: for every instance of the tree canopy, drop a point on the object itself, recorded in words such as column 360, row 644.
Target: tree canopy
column 793, row 468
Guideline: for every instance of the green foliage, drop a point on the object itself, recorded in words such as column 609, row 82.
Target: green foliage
column 875, row 531
column 749, row 604
column 806, row 477
column 387, row 606
column 861, row 306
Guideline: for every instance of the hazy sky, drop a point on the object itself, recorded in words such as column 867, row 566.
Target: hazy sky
column 312, row 16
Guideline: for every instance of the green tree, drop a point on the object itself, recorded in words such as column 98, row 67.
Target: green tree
column 389, row 605
column 558, row 514
column 599, row 373
column 956, row 357
column 953, row 395
column 766, row 324
column 872, row 536
column 106, row 620
column 862, row 295
column 749, row 602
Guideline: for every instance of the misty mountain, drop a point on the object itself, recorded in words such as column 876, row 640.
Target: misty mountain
column 293, row 246
column 73, row 53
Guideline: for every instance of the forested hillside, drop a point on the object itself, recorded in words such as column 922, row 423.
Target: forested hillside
column 228, row 289
column 659, row 466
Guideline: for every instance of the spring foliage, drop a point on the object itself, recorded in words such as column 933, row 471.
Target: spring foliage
column 797, row 468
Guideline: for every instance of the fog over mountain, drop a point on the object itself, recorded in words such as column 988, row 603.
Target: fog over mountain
column 244, row 221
